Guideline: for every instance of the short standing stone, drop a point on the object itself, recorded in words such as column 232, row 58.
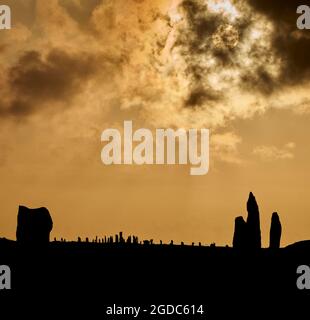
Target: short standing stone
column 33, row 225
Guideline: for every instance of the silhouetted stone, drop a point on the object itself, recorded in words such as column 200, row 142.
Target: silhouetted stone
column 135, row 240
column 253, row 224
column 240, row 233
column 275, row 231
column 33, row 225
column 121, row 239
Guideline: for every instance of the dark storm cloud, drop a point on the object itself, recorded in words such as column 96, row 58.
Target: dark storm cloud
column 260, row 80
column 291, row 45
column 200, row 95
column 36, row 80
column 55, row 77
column 194, row 39
column 202, row 26
column 278, row 10
column 197, row 43
column 289, row 48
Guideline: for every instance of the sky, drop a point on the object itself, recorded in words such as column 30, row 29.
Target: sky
column 72, row 68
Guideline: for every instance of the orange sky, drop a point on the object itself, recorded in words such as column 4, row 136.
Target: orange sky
column 72, row 68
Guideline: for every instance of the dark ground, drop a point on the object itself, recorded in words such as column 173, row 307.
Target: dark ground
column 86, row 277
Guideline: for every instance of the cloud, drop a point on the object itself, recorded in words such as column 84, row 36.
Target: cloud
column 225, row 147
column 36, row 80
column 176, row 63
column 226, row 46
column 180, row 63
column 207, row 66
column 273, row 153
column 290, row 44
column 81, row 10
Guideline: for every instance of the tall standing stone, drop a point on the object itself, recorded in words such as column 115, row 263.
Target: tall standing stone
column 253, row 224
column 240, row 233
column 275, row 231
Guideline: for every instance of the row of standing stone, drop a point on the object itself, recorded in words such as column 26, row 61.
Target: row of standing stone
column 247, row 234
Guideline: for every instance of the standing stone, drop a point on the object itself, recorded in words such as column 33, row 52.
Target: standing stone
column 275, row 231
column 240, row 233
column 33, row 225
column 253, row 224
